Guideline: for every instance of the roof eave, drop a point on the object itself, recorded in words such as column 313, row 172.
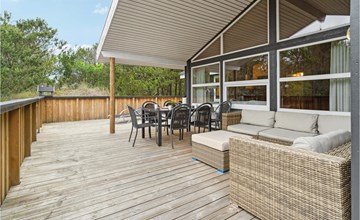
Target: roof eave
column 106, row 27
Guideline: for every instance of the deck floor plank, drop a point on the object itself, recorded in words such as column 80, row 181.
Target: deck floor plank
column 207, row 209
column 243, row 215
column 223, row 213
column 79, row 171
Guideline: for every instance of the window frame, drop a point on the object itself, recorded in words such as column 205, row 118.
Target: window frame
column 309, row 78
column 244, row 83
column 203, row 84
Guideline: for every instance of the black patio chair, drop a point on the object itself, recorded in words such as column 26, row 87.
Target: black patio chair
column 180, row 118
column 124, row 115
column 201, row 117
column 150, row 116
column 135, row 124
column 216, row 116
column 169, row 102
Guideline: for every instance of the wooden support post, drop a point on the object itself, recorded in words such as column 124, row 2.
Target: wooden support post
column 112, row 95
column 27, row 130
column 33, row 122
column 4, row 156
column 38, row 116
column 14, row 146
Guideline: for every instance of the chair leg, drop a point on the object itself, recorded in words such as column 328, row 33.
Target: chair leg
column 150, row 131
column 189, row 136
column 132, row 128
column 135, row 137
column 171, row 139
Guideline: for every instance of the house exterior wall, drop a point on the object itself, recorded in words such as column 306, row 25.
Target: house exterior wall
column 272, row 49
column 355, row 109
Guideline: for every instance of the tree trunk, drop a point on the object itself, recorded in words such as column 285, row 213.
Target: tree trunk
column 176, row 87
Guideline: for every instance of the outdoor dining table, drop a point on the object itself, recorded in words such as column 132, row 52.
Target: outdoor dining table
column 159, row 112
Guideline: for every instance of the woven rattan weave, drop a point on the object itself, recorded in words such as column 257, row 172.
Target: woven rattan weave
column 274, row 181
column 211, row 156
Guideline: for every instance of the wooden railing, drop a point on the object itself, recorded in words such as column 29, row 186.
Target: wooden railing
column 21, row 120
column 62, row 108
column 19, row 123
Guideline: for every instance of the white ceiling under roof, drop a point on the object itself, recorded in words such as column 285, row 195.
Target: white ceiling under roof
column 163, row 33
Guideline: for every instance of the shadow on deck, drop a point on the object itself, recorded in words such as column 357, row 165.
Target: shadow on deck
column 79, row 171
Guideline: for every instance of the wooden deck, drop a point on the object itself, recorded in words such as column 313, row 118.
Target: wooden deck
column 79, row 171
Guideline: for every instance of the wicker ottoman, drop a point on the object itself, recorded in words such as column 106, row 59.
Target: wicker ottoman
column 212, row 148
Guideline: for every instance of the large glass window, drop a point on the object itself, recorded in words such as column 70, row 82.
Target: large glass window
column 252, row 68
column 316, row 77
column 246, row 82
column 206, row 84
column 207, row 74
column 206, row 94
column 247, row 95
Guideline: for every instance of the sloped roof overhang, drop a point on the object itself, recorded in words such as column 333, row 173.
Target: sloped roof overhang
column 163, row 33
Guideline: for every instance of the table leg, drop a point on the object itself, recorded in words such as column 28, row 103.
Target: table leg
column 143, row 121
column 159, row 137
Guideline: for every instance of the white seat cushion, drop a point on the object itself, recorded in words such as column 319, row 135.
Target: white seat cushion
column 284, row 134
column 323, row 143
column 327, row 123
column 218, row 140
column 296, row 121
column 260, row 118
column 247, row 129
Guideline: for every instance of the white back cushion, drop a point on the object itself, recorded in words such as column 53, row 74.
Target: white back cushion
column 327, row 123
column 323, row 143
column 296, row 121
column 261, row 118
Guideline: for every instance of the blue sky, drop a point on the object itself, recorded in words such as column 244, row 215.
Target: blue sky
column 79, row 22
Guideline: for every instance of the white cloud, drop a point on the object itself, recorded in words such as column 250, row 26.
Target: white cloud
column 99, row 9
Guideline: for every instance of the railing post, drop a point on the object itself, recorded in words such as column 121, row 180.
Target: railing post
column 14, row 146
column 4, row 156
column 33, row 122
column 38, row 117
column 27, row 130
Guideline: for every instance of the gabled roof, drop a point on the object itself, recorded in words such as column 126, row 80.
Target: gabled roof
column 163, row 33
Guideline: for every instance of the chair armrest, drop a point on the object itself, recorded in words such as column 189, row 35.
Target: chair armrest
column 230, row 118
column 292, row 183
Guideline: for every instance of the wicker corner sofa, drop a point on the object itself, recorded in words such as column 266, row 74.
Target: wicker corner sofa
column 275, row 181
